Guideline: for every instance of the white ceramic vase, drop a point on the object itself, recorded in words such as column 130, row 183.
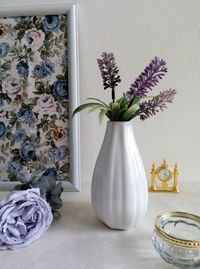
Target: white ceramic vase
column 119, row 188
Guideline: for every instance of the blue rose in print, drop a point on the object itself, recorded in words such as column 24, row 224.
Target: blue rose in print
column 60, row 89
column 27, row 151
column 20, row 135
column 3, row 130
column 1, row 102
column 44, row 69
column 4, row 48
column 25, row 115
column 22, row 69
column 58, row 154
column 51, row 23
column 14, row 167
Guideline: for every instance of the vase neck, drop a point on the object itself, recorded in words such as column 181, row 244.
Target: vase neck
column 119, row 127
column 119, row 124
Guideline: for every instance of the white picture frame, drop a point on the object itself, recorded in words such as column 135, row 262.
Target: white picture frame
column 74, row 183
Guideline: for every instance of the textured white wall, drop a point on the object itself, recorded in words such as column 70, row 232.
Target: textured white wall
column 136, row 31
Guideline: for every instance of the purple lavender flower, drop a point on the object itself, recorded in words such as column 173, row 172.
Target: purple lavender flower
column 156, row 104
column 109, row 72
column 24, row 217
column 147, row 79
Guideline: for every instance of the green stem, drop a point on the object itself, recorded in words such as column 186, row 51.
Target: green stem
column 113, row 94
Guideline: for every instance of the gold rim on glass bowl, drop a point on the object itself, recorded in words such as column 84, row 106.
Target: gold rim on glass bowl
column 172, row 239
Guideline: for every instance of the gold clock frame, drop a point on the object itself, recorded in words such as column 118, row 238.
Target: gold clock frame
column 165, row 183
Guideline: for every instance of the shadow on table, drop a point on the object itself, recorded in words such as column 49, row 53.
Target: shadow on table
column 79, row 215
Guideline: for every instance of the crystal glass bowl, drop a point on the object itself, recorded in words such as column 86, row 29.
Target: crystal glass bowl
column 177, row 238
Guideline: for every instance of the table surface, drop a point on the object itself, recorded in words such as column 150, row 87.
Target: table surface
column 80, row 241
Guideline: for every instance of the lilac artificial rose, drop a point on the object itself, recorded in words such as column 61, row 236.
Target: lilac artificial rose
column 24, row 217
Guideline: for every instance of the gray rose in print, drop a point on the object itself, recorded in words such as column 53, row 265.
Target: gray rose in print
column 11, row 85
column 33, row 39
column 34, row 104
column 47, row 103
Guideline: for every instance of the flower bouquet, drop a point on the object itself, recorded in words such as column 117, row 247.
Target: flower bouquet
column 136, row 102
column 119, row 187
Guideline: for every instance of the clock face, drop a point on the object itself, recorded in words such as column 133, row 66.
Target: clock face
column 164, row 174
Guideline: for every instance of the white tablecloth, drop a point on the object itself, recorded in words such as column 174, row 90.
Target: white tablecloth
column 80, row 241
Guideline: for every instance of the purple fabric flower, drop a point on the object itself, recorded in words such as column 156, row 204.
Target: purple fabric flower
column 24, row 217
column 147, row 79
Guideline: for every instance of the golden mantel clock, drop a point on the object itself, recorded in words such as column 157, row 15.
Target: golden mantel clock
column 164, row 178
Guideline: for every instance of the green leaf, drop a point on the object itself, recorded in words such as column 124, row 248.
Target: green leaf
column 45, row 116
column 98, row 106
column 39, row 86
column 129, row 112
column 63, row 27
column 50, row 54
column 60, row 77
column 15, row 151
column 64, row 168
column 136, row 101
column 12, row 177
column 121, row 112
column 109, row 114
column 21, row 34
column 65, row 104
column 52, row 125
column 48, row 36
column 18, row 126
column 124, row 102
column 37, row 93
column 12, row 142
column 12, row 114
column 45, row 128
column 98, row 101
column 53, row 144
column 6, row 65
column 8, row 100
column 86, row 106
column 115, row 110
column 57, row 166
column 102, row 115
column 9, row 135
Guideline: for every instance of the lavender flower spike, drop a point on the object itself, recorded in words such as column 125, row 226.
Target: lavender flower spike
column 147, row 79
column 109, row 72
column 156, row 104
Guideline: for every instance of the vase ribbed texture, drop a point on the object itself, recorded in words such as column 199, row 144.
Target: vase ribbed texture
column 119, row 187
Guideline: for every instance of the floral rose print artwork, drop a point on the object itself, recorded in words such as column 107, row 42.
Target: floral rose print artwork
column 34, row 133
